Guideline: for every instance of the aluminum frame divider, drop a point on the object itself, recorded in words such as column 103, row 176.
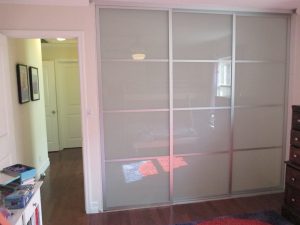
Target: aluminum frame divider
column 232, row 102
column 171, row 95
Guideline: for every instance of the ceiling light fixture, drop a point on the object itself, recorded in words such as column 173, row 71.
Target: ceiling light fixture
column 60, row 39
column 138, row 56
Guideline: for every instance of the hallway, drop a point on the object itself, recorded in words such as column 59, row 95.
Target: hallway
column 62, row 192
column 63, row 200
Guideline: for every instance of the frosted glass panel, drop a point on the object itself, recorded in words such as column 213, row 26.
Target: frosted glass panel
column 126, row 32
column 201, row 36
column 135, row 85
column 130, row 135
column 201, row 131
column 259, row 83
column 137, row 182
column 261, row 38
column 202, row 84
column 256, row 169
column 258, row 127
column 201, row 176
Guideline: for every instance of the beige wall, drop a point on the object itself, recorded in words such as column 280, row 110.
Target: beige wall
column 59, row 51
column 30, row 18
column 29, row 118
column 39, row 18
column 294, row 76
column 295, row 69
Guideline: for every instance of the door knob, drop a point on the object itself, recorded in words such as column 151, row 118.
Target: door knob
column 53, row 111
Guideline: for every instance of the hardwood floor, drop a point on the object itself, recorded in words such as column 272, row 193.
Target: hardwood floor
column 63, row 201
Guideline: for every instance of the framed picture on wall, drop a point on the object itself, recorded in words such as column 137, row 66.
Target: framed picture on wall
column 23, row 84
column 34, row 83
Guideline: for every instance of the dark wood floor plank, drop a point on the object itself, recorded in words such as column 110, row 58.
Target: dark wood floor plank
column 63, row 201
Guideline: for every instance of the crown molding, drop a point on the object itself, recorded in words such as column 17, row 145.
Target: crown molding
column 48, row 2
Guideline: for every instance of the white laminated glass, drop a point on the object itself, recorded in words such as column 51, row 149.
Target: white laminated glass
column 261, row 37
column 129, row 34
column 135, row 85
column 209, row 125
column 257, row 169
column 200, row 176
column 201, row 131
column 136, row 183
column 202, row 36
column 259, row 84
column 141, row 134
column 202, row 84
column 258, row 127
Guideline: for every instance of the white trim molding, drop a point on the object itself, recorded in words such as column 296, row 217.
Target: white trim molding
column 47, row 2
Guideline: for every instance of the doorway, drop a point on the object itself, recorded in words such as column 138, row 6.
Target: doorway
column 62, row 93
column 92, row 197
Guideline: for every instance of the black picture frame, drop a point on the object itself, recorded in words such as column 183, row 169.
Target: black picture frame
column 34, row 83
column 23, row 84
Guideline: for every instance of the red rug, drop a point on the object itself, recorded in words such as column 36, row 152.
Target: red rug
column 231, row 221
column 259, row 218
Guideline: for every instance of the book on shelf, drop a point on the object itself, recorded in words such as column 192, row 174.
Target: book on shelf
column 22, row 171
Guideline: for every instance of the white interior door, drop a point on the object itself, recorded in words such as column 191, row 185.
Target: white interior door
column 7, row 147
column 51, row 106
column 68, row 97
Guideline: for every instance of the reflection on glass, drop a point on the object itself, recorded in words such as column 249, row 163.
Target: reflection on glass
column 261, row 38
column 202, row 84
column 201, row 131
column 125, row 32
column 138, row 170
column 137, row 182
column 142, row 134
column 135, row 85
column 177, row 162
column 204, row 176
column 201, row 36
column 260, row 83
column 224, row 80
column 249, row 177
column 258, row 127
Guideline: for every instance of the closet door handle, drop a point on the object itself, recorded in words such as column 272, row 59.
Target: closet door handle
column 53, row 112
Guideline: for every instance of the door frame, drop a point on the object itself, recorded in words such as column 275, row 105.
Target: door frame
column 90, row 206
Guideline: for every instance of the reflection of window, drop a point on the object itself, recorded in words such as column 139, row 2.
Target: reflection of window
column 224, row 80
column 177, row 162
column 138, row 170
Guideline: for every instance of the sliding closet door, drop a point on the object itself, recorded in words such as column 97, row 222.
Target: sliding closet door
column 202, row 101
column 135, row 102
column 261, row 61
column 203, row 118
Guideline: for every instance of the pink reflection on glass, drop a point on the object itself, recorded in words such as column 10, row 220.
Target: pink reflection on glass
column 177, row 163
column 147, row 169
column 138, row 170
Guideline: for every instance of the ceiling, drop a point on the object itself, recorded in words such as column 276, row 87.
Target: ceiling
column 277, row 5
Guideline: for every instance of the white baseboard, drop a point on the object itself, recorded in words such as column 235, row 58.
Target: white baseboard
column 93, row 208
column 43, row 168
